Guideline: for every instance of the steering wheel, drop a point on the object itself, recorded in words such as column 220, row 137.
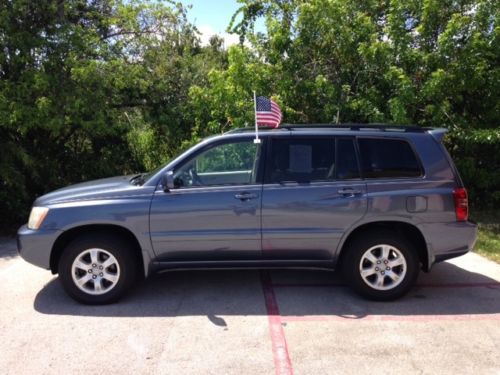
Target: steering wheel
column 195, row 179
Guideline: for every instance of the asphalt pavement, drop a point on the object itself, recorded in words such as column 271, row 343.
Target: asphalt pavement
column 252, row 322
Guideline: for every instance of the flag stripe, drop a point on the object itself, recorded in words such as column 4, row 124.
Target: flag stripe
column 268, row 114
column 274, row 118
column 268, row 119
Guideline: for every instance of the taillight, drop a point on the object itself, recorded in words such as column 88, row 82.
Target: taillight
column 461, row 204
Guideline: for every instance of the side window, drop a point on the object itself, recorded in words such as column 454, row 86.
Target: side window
column 301, row 160
column 347, row 162
column 224, row 164
column 385, row 158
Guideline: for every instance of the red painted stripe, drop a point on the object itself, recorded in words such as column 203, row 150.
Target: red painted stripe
column 391, row 318
column 282, row 362
column 423, row 285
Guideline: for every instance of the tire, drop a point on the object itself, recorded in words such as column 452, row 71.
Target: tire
column 381, row 266
column 97, row 269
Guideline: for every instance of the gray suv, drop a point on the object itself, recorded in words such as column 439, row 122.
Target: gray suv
column 378, row 202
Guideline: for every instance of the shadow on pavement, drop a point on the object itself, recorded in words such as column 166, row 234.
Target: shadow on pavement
column 8, row 248
column 447, row 290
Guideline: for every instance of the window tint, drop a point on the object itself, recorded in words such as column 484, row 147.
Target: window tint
column 225, row 164
column 388, row 158
column 301, row 160
column 347, row 162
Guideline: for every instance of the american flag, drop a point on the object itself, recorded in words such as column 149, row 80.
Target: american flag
column 267, row 112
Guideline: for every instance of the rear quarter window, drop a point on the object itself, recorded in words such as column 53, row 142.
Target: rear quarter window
column 388, row 158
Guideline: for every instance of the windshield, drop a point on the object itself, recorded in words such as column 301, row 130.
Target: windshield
column 147, row 176
column 141, row 178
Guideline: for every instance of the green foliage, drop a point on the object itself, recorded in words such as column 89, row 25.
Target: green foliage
column 476, row 154
column 426, row 62
column 95, row 88
column 92, row 89
column 226, row 99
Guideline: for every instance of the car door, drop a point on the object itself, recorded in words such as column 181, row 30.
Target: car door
column 311, row 195
column 214, row 210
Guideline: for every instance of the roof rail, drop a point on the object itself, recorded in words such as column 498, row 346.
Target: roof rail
column 359, row 126
column 346, row 126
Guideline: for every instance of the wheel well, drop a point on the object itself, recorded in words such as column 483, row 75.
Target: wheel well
column 410, row 232
column 66, row 237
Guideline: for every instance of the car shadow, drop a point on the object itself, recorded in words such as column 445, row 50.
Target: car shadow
column 7, row 248
column 447, row 291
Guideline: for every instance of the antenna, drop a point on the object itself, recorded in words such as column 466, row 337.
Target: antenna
column 256, row 140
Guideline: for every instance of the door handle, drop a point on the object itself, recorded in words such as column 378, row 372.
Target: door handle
column 245, row 196
column 349, row 192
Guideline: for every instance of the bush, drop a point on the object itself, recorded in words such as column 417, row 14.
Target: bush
column 476, row 154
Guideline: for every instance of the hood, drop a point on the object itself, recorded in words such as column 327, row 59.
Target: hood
column 105, row 188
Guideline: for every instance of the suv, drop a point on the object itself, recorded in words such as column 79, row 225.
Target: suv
column 379, row 202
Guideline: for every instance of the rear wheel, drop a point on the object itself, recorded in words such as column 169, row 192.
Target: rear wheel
column 381, row 265
column 97, row 269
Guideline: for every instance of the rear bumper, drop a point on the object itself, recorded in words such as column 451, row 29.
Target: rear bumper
column 35, row 246
column 449, row 240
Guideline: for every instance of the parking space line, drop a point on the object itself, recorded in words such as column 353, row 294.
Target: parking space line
column 423, row 285
column 282, row 363
column 390, row 318
column 460, row 285
column 395, row 318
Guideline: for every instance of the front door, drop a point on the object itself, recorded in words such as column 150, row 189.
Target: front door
column 214, row 211
column 312, row 194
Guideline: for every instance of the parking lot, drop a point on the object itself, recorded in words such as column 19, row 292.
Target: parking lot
column 252, row 322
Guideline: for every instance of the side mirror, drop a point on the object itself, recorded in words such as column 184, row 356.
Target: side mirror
column 167, row 181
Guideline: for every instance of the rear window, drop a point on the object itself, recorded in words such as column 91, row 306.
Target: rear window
column 386, row 158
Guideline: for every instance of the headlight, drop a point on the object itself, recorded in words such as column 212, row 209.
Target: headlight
column 36, row 217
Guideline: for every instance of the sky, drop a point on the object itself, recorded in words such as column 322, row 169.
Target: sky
column 212, row 17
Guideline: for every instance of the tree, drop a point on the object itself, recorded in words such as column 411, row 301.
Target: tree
column 427, row 62
column 90, row 89
column 96, row 88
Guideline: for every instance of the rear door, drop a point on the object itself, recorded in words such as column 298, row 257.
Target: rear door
column 311, row 195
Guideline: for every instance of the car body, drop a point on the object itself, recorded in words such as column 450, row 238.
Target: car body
column 304, row 196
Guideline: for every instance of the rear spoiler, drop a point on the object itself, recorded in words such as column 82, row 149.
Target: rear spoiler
column 438, row 133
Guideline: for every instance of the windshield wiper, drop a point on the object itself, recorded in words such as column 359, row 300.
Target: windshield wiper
column 138, row 179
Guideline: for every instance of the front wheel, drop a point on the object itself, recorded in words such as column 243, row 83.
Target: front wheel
column 97, row 269
column 381, row 266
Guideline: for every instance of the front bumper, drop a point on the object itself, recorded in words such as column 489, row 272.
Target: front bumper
column 35, row 246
